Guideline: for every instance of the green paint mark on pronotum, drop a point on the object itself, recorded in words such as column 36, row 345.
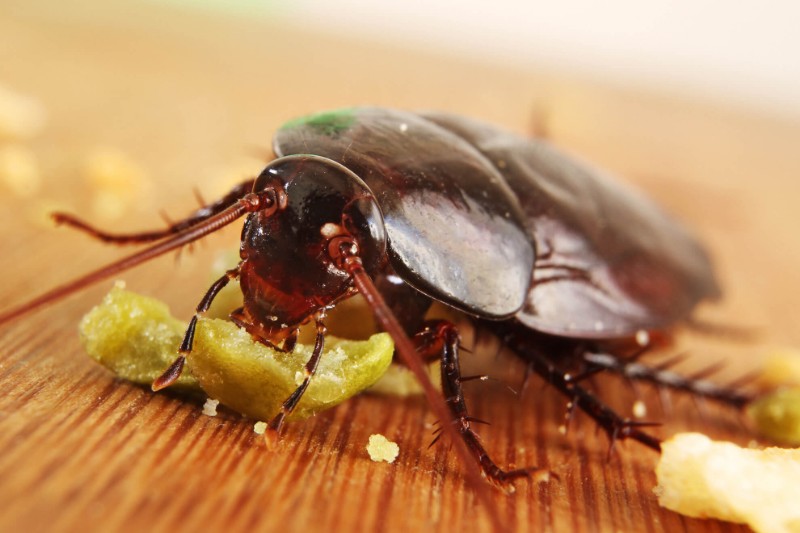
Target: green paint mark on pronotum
column 328, row 123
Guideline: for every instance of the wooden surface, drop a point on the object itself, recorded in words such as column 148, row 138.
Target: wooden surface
column 188, row 97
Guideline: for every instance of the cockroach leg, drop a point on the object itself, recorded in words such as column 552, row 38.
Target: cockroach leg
column 664, row 378
column 275, row 425
column 195, row 218
column 441, row 337
column 539, row 351
column 612, row 423
column 174, row 371
column 348, row 259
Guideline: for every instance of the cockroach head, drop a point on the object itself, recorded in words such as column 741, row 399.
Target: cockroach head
column 293, row 257
column 325, row 200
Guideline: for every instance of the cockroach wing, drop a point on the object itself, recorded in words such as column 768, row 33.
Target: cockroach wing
column 610, row 262
column 455, row 229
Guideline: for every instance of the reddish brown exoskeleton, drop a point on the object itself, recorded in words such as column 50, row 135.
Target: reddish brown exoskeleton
column 564, row 265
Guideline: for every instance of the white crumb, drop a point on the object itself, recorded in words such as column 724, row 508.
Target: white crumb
column 639, row 409
column 210, row 407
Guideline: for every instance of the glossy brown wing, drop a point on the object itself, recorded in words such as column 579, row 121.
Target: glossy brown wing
column 456, row 231
column 609, row 261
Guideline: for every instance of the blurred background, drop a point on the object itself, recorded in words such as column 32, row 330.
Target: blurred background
column 743, row 52
column 119, row 109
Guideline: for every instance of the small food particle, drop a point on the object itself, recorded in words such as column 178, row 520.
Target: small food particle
column 541, row 476
column 137, row 339
column 259, row 428
column 777, row 415
column 380, row 448
column 19, row 170
column 21, row 117
column 642, row 337
column 639, row 409
column 116, row 181
column 210, row 407
column 781, row 369
column 400, row 381
column 702, row 478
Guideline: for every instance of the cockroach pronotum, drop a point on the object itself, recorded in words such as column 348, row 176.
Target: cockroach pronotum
column 564, row 265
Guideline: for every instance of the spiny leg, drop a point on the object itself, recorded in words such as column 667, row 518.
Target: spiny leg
column 441, row 337
column 663, row 376
column 149, row 236
column 174, row 371
column 310, row 368
column 349, row 260
column 540, row 351
column 612, row 423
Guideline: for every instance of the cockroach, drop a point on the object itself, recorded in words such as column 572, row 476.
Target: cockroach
column 567, row 267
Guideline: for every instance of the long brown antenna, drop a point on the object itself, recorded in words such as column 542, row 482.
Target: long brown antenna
column 248, row 203
column 405, row 349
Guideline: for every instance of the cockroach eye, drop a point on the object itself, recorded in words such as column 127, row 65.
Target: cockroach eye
column 340, row 248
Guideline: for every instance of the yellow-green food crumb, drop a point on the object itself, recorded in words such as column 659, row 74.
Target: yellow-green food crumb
column 777, row 415
column 781, row 368
column 255, row 380
column 259, row 428
column 400, row 381
column 380, row 448
column 137, row 338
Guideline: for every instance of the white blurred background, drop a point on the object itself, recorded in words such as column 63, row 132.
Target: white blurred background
column 744, row 52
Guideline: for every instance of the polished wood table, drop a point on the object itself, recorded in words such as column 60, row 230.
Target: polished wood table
column 191, row 100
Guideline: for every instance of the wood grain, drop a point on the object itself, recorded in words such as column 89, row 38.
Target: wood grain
column 189, row 96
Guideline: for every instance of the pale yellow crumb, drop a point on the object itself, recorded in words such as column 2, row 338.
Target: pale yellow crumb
column 702, row 478
column 382, row 449
column 117, row 182
column 210, row 407
column 21, row 116
column 639, row 409
column 19, row 170
column 259, row 428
